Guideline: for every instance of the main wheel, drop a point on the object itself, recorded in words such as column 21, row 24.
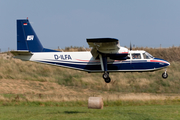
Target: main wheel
column 105, row 75
column 107, row 80
column 164, row 75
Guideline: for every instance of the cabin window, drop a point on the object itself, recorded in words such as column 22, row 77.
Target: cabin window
column 136, row 56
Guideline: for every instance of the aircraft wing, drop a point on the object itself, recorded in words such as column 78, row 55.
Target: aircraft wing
column 103, row 45
column 107, row 46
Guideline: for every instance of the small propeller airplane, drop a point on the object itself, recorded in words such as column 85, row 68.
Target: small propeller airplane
column 106, row 55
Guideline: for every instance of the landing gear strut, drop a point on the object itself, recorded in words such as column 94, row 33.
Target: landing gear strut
column 103, row 60
column 165, row 75
column 106, row 77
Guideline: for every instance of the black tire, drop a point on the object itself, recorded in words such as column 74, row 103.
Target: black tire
column 105, row 76
column 164, row 75
column 107, row 80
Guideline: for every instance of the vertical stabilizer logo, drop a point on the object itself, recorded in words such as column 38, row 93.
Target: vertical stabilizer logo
column 30, row 37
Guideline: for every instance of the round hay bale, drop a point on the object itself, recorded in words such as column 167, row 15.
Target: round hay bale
column 95, row 103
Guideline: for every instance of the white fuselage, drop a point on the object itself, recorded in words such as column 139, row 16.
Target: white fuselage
column 86, row 62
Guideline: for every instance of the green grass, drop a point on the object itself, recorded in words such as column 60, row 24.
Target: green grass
column 155, row 112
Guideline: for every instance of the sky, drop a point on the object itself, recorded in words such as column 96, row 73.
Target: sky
column 65, row 23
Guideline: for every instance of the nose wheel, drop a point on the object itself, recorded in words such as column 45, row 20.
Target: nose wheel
column 106, row 77
column 165, row 75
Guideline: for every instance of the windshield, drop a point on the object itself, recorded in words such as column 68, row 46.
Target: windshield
column 146, row 55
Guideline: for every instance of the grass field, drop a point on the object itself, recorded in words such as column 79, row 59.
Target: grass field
column 157, row 112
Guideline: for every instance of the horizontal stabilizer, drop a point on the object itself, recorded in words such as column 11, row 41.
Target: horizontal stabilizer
column 21, row 52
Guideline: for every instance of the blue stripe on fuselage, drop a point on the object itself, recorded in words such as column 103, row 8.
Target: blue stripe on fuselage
column 130, row 65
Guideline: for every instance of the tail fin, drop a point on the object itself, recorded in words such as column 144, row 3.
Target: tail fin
column 27, row 38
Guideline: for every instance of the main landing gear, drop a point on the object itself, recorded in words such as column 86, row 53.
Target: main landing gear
column 165, row 75
column 106, row 77
column 103, row 60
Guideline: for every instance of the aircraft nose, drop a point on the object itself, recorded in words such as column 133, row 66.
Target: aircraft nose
column 165, row 63
column 162, row 62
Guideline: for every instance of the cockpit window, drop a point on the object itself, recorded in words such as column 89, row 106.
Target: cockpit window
column 146, row 55
column 136, row 56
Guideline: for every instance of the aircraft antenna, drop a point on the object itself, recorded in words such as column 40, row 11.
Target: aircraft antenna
column 130, row 46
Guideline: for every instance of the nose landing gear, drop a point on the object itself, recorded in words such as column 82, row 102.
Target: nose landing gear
column 165, row 75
